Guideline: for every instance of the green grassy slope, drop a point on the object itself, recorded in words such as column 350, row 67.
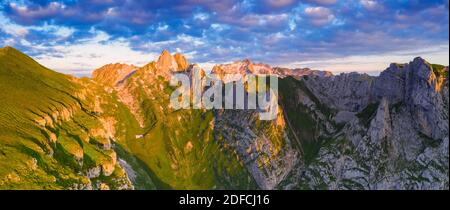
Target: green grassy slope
column 45, row 119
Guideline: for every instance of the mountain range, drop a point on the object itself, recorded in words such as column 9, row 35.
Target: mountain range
column 116, row 129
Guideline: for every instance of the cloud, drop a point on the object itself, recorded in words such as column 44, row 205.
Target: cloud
column 277, row 32
column 319, row 16
column 11, row 28
column 322, row 2
column 371, row 5
column 90, row 54
column 279, row 3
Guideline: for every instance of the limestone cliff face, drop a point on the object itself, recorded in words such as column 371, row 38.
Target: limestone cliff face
column 414, row 86
column 394, row 134
column 349, row 92
column 264, row 146
column 381, row 126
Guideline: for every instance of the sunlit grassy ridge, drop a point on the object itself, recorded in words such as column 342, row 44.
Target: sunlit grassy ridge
column 45, row 121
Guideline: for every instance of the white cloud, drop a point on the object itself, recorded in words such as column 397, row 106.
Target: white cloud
column 219, row 27
column 319, row 16
column 261, row 20
column 20, row 31
column 11, row 28
column 370, row 4
column 292, row 24
column 201, row 16
column 52, row 8
column 88, row 55
column 317, row 12
column 162, row 27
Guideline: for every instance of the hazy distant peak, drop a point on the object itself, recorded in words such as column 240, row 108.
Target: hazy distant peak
column 246, row 66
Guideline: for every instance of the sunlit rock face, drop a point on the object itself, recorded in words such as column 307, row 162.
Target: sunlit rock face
column 167, row 62
column 111, row 74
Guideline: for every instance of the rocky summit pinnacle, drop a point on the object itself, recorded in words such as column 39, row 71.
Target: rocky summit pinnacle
column 167, row 62
column 181, row 61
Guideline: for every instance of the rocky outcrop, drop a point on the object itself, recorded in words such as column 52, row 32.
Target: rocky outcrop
column 111, row 74
column 380, row 126
column 168, row 63
column 349, row 92
column 264, row 146
column 182, row 62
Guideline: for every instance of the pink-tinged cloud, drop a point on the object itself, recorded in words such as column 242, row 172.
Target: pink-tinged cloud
column 321, row 2
column 279, row 3
column 319, row 16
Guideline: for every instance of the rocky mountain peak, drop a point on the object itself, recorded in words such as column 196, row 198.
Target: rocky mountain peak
column 167, row 62
column 419, row 60
column 165, row 53
column 181, row 61
column 247, row 61
column 111, row 74
column 246, row 66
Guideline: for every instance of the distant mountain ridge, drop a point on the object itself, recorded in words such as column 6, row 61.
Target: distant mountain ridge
column 248, row 67
column 117, row 131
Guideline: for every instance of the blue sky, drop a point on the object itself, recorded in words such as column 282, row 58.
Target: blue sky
column 76, row 36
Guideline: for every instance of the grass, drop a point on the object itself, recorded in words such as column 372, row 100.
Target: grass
column 367, row 114
column 428, row 141
column 28, row 91
column 31, row 92
column 439, row 70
